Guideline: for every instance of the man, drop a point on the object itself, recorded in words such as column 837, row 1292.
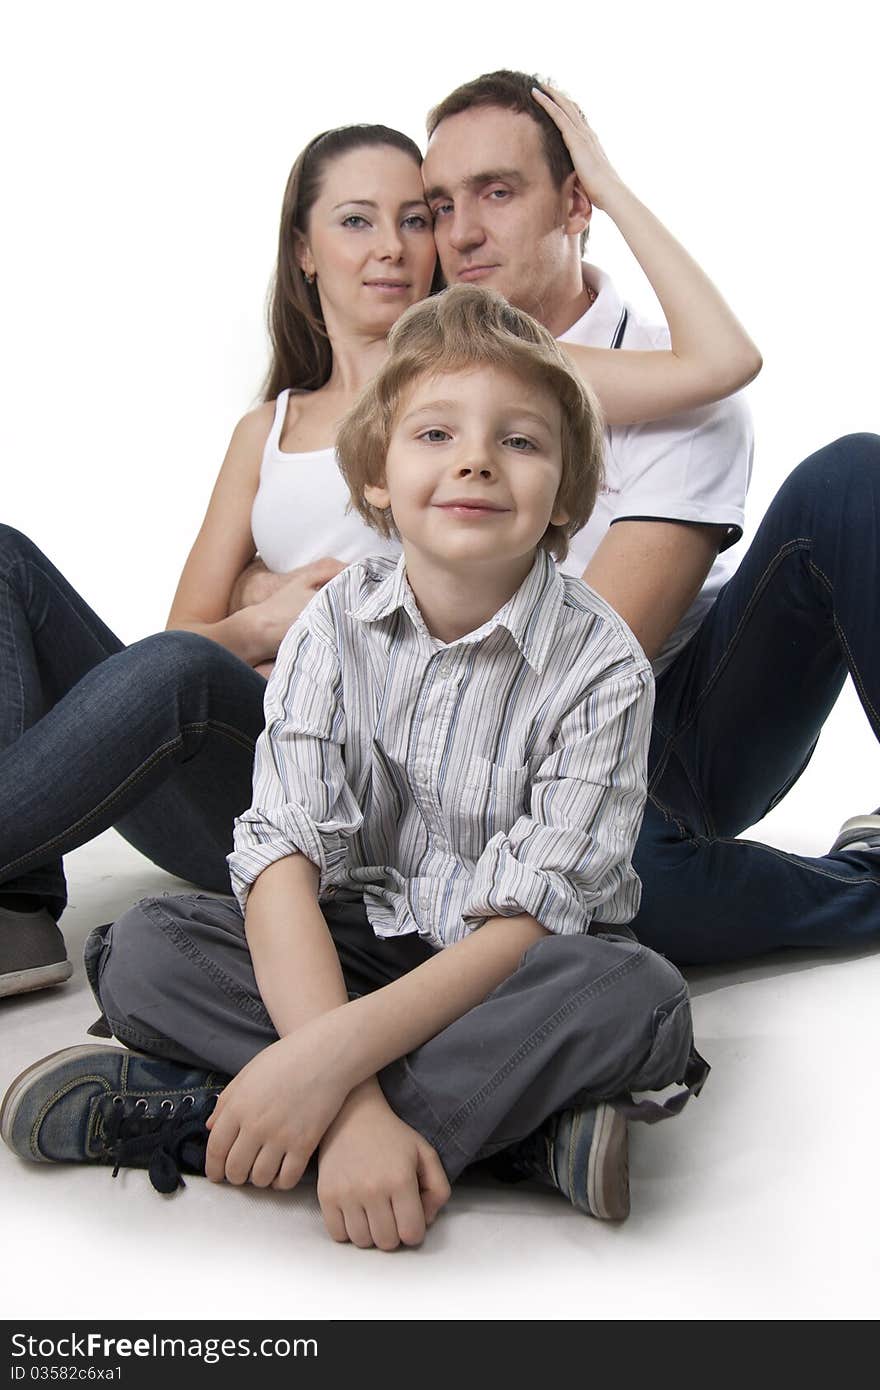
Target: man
column 748, row 669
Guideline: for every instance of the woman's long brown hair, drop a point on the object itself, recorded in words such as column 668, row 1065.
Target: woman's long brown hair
column 301, row 353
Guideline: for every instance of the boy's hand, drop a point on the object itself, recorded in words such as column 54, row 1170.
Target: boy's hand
column 379, row 1182
column 270, row 1118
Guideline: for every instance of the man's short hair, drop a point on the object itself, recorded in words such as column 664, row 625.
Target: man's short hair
column 463, row 328
column 512, row 91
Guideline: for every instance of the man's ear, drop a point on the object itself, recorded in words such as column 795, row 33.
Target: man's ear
column 377, row 496
column 576, row 206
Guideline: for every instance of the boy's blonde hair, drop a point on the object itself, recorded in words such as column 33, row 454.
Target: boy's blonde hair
column 462, row 328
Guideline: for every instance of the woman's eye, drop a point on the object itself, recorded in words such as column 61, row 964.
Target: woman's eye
column 354, row 220
column 416, row 221
column 434, row 436
column 519, row 441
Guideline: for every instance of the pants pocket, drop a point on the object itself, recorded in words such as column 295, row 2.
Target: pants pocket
column 670, row 1051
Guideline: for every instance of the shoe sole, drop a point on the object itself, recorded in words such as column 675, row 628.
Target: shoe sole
column 20, row 1086
column 608, row 1166
column 856, row 829
column 39, row 977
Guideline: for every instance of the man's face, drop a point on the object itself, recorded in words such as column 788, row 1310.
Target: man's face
column 499, row 220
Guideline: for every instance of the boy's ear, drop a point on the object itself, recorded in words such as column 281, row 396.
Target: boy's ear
column 378, row 496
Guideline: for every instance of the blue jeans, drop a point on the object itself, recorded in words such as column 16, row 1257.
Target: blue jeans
column 156, row 739
column 737, row 718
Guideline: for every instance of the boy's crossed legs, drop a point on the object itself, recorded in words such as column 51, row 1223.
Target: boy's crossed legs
column 583, row 1019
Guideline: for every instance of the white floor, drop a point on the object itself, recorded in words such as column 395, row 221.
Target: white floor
column 760, row 1201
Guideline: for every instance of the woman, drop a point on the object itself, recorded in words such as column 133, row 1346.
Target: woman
column 157, row 738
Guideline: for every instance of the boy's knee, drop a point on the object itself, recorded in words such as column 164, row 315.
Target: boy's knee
column 127, row 964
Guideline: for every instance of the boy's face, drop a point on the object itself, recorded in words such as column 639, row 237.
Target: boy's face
column 474, row 466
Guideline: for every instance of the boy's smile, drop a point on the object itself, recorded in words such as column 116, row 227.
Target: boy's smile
column 473, row 467
column 472, row 473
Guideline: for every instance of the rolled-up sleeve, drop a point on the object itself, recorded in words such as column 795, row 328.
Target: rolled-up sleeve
column 570, row 859
column 301, row 801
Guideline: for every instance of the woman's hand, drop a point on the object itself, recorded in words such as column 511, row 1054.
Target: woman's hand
column 595, row 174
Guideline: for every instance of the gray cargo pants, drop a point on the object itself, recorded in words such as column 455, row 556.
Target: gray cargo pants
column 581, row 1018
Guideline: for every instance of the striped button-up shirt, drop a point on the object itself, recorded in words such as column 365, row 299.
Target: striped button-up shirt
column 449, row 783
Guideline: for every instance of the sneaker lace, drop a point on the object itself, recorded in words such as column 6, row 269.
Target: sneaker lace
column 167, row 1144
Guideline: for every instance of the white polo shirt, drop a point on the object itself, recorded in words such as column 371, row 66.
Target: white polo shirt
column 690, row 467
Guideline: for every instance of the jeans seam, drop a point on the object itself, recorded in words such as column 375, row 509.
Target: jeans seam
column 14, row 644
column 799, row 543
column 841, row 637
column 809, row 864
column 539, row 1035
column 789, row 548
column 204, row 726
column 184, row 943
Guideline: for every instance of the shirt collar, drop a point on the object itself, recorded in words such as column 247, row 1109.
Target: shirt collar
column 530, row 616
column 599, row 325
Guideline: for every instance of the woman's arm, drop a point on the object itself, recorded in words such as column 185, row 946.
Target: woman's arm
column 222, row 549
column 224, row 545
column 711, row 355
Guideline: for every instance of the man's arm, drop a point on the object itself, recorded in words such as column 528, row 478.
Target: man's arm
column 651, row 572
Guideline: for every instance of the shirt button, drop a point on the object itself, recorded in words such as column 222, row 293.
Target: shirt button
column 445, row 666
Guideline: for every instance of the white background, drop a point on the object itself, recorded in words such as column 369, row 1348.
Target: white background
column 147, row 149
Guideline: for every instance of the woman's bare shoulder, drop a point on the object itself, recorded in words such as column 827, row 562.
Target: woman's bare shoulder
column 253, row 428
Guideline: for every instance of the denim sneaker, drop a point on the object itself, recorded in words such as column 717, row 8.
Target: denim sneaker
column 859, row 833
column 583, row 1153
column 93, row 1104
column 32, row 954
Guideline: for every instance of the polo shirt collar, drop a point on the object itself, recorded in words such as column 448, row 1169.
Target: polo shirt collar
column 530, row 616
column 598, row 327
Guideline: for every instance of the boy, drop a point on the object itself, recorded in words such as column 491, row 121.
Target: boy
column 436, row 865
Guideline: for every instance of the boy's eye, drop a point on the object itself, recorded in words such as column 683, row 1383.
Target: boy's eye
column 354, row 220
column 435, row 436
column 519, row 441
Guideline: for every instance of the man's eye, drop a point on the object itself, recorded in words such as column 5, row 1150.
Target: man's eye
column 354, row 220
column 519, row 441
column 499, row 193
column 434, row 436
column 442, row 210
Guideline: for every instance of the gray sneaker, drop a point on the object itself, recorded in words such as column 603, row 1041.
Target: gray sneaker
column 32, row 954
column 859, row 833
column 94, row 1104
column 583, row 1153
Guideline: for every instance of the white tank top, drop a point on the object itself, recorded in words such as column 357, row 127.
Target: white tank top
column 300, row 510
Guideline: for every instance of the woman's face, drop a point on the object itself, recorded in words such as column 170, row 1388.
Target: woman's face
column 370, row 241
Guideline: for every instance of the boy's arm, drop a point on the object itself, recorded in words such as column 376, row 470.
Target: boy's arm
column 569, row 859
